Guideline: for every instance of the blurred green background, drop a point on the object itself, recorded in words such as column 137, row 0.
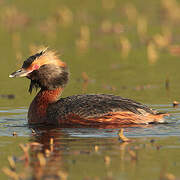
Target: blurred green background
column 126, row 48
column 118, row 47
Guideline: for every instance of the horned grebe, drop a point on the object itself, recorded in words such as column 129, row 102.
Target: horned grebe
column 47, row 72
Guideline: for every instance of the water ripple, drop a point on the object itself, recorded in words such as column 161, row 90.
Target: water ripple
column 15, row 120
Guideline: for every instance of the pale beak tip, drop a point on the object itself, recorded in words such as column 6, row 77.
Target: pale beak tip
column 11, row 76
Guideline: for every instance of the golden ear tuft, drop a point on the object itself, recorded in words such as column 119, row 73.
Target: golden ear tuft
column 44, row 50
column 37, row 49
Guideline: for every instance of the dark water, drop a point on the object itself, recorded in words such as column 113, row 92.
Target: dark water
column 14, row 120
column 90, row 153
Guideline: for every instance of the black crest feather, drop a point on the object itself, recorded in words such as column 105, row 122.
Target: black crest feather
column 31, row 59
column 33, row 84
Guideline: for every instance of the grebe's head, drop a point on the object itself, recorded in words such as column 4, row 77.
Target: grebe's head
column 45, row 70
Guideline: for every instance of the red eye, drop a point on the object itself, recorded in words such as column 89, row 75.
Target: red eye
column 35, row 67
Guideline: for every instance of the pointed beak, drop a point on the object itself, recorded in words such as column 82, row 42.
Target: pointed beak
column 20, row 73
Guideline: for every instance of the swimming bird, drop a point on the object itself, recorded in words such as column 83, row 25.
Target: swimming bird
column 47, row 72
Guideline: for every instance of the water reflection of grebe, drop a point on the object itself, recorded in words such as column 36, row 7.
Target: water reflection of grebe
column 47, row 71
column 63, row 155
column 50, row 152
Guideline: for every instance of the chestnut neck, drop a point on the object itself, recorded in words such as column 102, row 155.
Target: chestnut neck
column 39, row 105
column 49, row 96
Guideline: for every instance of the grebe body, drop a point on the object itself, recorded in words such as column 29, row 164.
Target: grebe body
column 47, row 72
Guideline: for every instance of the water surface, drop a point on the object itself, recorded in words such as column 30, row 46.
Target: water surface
column 120, row 47
column 81, row 153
